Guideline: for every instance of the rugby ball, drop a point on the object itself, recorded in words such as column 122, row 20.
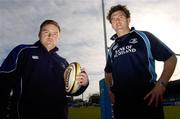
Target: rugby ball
column 71, row 84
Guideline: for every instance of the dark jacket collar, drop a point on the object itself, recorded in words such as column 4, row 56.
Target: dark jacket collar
column 39, row 44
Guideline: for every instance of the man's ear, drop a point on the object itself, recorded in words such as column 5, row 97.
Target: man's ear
column 129, row 20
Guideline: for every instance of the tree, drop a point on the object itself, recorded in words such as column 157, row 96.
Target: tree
column 94, row 99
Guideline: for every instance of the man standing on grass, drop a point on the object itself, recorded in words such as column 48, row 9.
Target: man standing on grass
column 130, row 69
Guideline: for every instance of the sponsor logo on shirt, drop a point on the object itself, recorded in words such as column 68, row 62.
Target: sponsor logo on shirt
column 124, row 50
column 115, row 46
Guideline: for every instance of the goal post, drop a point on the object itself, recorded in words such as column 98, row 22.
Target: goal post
column 106, row 108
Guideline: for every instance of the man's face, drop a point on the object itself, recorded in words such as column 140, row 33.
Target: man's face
column 119, row 21
column 49, row 36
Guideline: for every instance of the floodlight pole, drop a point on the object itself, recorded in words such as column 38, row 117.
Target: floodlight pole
column 104, row 28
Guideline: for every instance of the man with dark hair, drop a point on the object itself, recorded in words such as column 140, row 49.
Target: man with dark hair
column 34, row 74
column 130, row 73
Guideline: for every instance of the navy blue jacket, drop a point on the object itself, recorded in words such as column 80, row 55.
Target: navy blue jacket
column 36, row 78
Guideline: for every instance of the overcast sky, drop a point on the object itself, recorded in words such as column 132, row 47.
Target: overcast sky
column 81, row 21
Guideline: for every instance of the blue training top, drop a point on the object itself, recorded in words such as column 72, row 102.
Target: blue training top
column 36, row 77
column 131, row 60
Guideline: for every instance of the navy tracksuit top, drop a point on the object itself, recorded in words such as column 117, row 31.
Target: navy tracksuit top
column 37, row 79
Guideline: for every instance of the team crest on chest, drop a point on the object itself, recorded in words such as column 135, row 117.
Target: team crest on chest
column 35, row 57
column 133, row 41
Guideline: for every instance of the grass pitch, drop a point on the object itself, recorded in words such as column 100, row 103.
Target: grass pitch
column 171, row 112
column 84, row 113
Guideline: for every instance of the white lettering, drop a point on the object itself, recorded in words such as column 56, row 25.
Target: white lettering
column 124, row 50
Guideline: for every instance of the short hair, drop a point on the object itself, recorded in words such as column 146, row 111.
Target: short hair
column 118, row 8
column 46, row 22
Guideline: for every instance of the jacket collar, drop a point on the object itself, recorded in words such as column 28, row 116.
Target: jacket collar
column 39, row 44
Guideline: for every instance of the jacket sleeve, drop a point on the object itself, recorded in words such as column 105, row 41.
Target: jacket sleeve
column 9, row 74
